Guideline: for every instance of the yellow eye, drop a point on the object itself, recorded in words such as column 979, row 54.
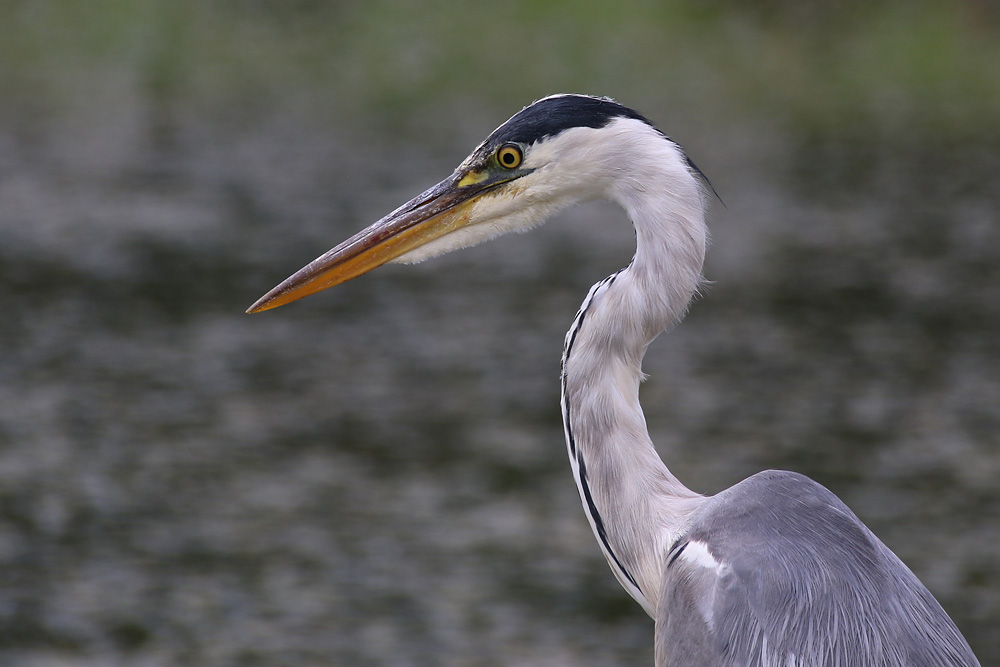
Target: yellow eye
column 509, row 156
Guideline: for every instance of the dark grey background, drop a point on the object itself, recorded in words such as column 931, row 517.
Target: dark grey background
column 376, row 475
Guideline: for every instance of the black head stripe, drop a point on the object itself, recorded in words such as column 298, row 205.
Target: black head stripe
column 552, row 115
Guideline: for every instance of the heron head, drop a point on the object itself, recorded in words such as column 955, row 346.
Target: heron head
column 556, row 152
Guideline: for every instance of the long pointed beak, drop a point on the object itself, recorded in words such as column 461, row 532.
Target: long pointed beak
column 430, row 215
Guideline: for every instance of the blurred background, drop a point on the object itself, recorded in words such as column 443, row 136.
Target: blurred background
column 377, row 475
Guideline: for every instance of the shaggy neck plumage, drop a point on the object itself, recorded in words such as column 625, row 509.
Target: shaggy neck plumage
column 635, row 505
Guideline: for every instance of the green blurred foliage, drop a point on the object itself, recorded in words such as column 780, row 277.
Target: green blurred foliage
column 829, row 66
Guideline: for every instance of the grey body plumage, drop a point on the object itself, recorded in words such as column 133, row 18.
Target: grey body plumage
column 800, row 581
column 774, row 571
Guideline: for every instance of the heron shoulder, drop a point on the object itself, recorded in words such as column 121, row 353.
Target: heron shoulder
column 778, row 510
column 778, row 570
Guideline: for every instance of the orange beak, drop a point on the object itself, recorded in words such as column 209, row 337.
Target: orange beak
column 438, row 211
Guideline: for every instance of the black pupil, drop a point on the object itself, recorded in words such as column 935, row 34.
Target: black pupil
column 509, row 157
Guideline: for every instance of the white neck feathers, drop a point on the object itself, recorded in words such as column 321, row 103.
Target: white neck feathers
column 635, row 505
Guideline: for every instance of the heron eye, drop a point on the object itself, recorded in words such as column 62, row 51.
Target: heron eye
column 509, row 156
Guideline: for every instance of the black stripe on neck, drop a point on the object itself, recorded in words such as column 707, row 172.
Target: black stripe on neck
column 599, row 521
column 602, row 534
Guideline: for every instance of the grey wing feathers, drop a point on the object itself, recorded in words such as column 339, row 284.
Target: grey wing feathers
column 778, row 571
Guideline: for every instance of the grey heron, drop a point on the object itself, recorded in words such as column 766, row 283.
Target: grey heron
column 775, row 570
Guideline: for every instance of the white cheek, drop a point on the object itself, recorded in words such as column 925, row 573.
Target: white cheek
column 489, row 218
column 580, row 164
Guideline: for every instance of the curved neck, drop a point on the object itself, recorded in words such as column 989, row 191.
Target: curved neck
column 635, row 505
